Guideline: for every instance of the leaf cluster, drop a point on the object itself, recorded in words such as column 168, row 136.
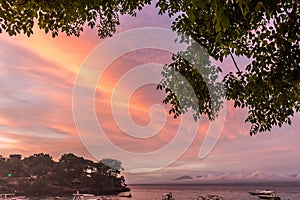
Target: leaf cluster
column 265, row 32
column 68, row 16
column 190, row 83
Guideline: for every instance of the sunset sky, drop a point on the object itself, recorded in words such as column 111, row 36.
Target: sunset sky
column 36, row 85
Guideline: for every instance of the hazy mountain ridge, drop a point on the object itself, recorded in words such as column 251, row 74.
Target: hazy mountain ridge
column 237, row 177
column 185, row 177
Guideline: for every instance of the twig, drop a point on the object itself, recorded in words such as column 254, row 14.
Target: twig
column 234, row 62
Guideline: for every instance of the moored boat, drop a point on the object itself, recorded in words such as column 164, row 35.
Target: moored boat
column 11, row 196
column 125, row 195
column 79, row 196
column 261, row 192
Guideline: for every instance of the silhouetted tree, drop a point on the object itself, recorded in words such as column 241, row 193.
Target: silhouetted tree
column 39, row 165
column 39, row 174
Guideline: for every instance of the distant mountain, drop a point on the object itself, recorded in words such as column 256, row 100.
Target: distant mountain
column 294, row 175
column 186, row 177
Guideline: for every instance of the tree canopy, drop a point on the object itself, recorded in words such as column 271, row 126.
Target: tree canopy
column 266, row 32
column 38, row 174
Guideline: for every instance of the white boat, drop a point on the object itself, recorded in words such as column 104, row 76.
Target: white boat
column 261, row 192
column 79, row 196
column 11, row 196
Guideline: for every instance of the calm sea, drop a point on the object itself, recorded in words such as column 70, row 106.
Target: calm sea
column 228, row 192
column 287, row 191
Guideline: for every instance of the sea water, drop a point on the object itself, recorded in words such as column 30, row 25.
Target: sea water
column 287, row 191
column 228, row 192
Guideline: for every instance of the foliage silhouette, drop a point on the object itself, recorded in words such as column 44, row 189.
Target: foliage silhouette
column 266, row 32
column 38, row 174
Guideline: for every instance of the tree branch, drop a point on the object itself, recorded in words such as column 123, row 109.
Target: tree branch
column 234, row 61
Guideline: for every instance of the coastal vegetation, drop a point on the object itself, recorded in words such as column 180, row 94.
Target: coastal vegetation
column 39, row 174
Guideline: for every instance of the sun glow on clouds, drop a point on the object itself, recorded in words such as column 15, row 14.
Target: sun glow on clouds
column 67, row 52
column 7, row 141
column 139, row 104
column 36, row 89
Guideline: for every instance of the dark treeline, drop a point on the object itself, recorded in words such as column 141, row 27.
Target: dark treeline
column 39, row 174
